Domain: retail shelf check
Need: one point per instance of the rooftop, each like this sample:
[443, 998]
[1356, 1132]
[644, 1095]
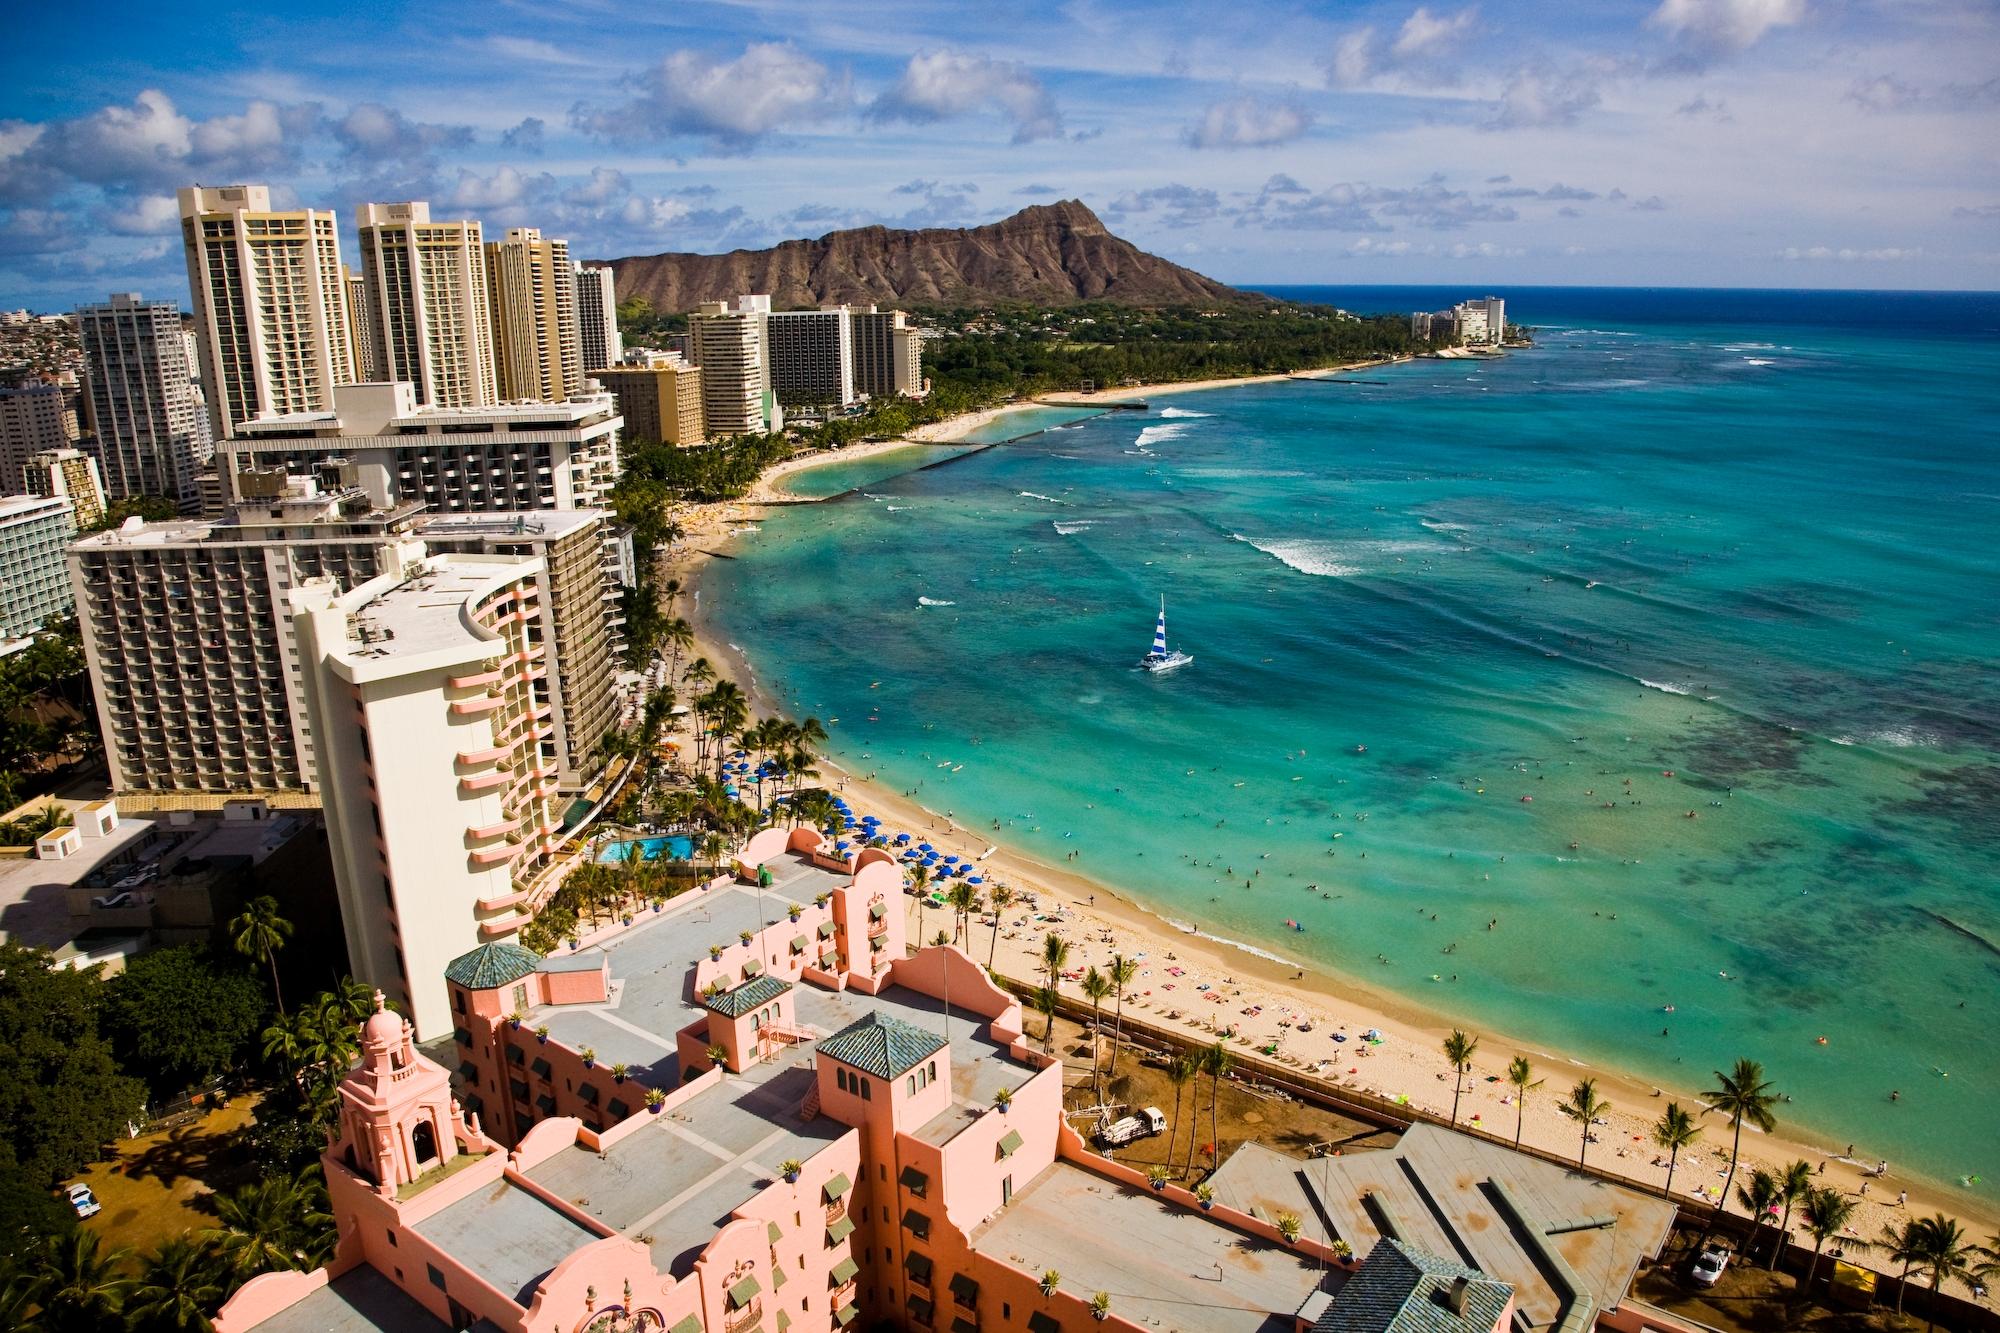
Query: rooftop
[492, 965]
[507, 1236]
[426, 614]
[1401, 1289]
[752, 994]
[1465, 1199]
[360, 1300]
[882, 1045]
[1162, 1264]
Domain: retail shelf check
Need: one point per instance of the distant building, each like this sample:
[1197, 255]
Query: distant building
[34, 584]
[1469, 323]
[189, 637]
[597, 318]
[33, 418]
[428, 690]
[154, 433]
[888, 354]
[270, 304]
[812, 357]
[659, 396]
[428, 314]
[531, 289]
[360, 322]
[732, 346]
[68, 474]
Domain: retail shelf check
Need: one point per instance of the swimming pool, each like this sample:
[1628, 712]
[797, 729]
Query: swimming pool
[676, 848]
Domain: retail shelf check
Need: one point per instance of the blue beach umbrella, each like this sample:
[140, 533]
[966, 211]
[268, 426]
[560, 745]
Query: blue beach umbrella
[976, 879]
[923, 847]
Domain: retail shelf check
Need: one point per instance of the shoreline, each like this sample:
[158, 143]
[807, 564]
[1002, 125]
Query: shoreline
[1286, 994]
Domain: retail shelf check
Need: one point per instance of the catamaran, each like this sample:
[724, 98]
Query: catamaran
[1162, 658]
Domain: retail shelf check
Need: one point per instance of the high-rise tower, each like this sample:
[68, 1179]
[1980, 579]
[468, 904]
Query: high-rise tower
[428, 317]
[531, 289]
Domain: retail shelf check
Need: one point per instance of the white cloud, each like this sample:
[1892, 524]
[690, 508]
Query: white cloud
[1351, 63]
[1849, 254]
[1248, 122]
[771, 86]
[1424, 33]
[1725, 26]
[1536, 98]
[938, 85]
[146, 215]
[505, 188]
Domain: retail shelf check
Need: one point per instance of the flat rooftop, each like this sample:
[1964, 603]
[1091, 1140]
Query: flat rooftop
[1435, 1190]
[425, 614]
[1163, 1265]
[360, 1300]
[507, 1236]
[511, 523]
[688, 1170]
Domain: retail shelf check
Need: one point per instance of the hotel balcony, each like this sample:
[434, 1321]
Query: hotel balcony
[498, 854]
[482, 832]
[484, 703]
[473, 783]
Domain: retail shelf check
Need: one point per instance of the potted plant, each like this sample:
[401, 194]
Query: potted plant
[718, 1055]
[745, 936]
[655, 1099]
[515, 1019]
[1003, 1099]
[542, 1034]
[1050, 1281]
[714, 953]
[627, 918]
[1156, 1176]
[1288, 1226]
[1205, 1194]
[790, 1169]
[574, 941]
[794, 912]
[822, 898]
[589, 1054]
[1100, 1306]
[1342, 1250]
[619, 1071]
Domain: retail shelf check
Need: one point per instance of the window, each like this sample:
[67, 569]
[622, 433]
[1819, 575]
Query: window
[436, 1276]
[864, 1090]
[392, 1235]
[932, 1072]
[913, 1085]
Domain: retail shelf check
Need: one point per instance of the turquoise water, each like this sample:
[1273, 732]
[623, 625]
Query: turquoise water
[1671, 647]
[649, 849]
[840, 476]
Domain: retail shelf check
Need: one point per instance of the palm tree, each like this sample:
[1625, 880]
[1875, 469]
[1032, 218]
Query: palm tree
[1989, 1255]
[964, 899]
[260, 930]
[1046, 1000]
[1904, 1245]
[1742, 1094]
[1055, 956]
[1216, 1062]
[1827, 1212]
[1458, 1049]
[1181, 1070]
[1519, 1073]
[182, 1282]
[1760, 1199]
[78, 1285]
[920, 877]
[1095, 987]
[1123, 970]
[1584, 1106]
[1793, 1184]
[1000, 895]
[1944, 1251]
[259, 1226]
[1675, 1130]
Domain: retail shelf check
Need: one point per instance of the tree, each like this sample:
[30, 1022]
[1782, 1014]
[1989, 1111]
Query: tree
[1181, 1070]
[1903, 1245]
[260, 931]
[964, 900]
[1216, 1062]
[79, 1286]
[1521, 1075]
[176, 1019]
[1055, 957]
[61, 1094]
[1943, 1251]
[920, 876]
[1458, 1049]
[1095, 987]
[1759, 1198]
[1674, 1130]
[1742, 1094]
[1045, 1002]
[1123, 970]
[1001, 896]
[1584, 1106]
[1827, 1212]
[274, 1225]
[181, 1283]
[1793, 1183]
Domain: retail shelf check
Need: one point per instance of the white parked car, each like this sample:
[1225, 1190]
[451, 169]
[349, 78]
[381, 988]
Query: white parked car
[81, 1199]
[1708, 1267]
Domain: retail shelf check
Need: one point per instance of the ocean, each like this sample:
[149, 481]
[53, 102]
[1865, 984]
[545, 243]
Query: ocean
[1666, 647]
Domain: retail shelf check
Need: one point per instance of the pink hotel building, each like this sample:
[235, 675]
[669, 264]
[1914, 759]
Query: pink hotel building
[752, 1111]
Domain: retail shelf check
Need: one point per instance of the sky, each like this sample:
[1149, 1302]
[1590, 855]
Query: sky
[1758, 143]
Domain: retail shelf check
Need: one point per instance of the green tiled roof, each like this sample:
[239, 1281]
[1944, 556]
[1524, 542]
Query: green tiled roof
[750, 995]
[492, 965]
[1402, 1289]
[882, 1046]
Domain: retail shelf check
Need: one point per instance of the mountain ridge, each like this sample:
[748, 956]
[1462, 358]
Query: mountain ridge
[1046, 254]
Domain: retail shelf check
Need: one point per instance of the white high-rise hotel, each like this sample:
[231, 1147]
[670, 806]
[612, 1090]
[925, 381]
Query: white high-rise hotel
[270, 304]
[153, 435]
[597, 318]
[428, 319]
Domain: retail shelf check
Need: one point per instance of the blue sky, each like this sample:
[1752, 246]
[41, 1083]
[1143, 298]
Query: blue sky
[1795, 143]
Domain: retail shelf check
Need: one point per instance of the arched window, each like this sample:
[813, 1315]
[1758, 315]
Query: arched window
[423, 1142]
[913, 1085]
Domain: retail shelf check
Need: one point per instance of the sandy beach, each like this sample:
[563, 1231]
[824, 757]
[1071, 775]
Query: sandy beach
[1315, 1018]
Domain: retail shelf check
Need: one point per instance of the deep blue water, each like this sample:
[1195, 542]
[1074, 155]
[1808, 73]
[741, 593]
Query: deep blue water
[1669, 645]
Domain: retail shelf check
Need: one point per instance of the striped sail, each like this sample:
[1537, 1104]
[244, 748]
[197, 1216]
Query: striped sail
[1160, 631]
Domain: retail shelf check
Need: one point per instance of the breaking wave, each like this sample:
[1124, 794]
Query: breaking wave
[932, 601]
[1308, 557]
[1182, 412]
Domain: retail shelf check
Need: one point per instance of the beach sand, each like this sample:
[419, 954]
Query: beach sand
[1202, 983]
